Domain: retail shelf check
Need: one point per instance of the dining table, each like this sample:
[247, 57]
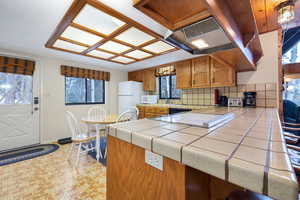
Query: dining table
[100, 124]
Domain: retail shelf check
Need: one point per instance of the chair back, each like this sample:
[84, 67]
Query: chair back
[96, 113]
[130, 114]
[73, 124]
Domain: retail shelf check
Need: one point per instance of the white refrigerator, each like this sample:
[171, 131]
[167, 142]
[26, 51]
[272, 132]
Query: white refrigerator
[129, 95]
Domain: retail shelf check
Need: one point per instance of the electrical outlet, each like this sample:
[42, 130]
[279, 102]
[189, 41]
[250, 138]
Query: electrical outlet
[153, 159]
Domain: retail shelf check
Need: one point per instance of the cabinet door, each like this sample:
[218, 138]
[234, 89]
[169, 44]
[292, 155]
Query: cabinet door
[149, 80]
[184, 75]
[136, 76]
[222, 74]
[201, 72]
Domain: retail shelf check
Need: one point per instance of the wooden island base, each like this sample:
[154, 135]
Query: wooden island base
[130, 178]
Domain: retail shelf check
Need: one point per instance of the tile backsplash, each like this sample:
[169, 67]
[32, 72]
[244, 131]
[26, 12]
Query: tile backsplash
[266, 94]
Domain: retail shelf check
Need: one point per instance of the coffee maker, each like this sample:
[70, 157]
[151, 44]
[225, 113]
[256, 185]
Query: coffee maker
[250, 99]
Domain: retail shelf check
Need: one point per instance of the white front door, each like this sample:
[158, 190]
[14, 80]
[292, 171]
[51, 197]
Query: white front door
[19, 116]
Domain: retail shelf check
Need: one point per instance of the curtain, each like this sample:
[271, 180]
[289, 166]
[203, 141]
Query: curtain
[84, 73]
[16, 65]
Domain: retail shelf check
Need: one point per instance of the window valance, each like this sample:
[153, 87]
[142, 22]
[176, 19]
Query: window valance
[84, 73]
[165, 71]
[16, 65]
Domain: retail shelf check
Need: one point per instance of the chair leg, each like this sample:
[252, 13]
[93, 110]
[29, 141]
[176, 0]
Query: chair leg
[78, 153]
[70, 152]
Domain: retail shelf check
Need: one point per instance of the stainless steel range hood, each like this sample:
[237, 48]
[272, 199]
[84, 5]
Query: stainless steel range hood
[203, 37]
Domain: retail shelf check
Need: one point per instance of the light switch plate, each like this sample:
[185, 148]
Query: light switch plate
[153, 159]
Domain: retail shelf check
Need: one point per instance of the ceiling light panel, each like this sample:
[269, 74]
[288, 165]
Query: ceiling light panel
[134, 36]
[158, 47]
[138, 54]
[122, 59]
[114, 47]
[97, 20]
[81, 36]
[100, 54]
[69, 46]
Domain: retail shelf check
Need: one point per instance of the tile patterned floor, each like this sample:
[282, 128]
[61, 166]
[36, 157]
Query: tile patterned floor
[52, 177]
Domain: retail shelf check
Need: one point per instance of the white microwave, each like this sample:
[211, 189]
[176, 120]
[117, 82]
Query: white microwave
[149, 99]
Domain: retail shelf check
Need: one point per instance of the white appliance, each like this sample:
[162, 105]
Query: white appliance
[149, 99]
[235, 102]
[129, 94]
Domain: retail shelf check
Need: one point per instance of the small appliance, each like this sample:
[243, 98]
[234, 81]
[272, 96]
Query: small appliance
[149, 99]
[235, 102]
[223, 101]
[250, 99]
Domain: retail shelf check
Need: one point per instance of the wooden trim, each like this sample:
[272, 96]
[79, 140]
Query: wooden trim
[114, 34]
[72, 12]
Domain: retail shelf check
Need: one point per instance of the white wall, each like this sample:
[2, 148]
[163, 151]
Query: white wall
[51, 90]
[267, 68]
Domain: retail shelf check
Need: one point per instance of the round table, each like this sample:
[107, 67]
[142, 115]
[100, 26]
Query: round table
[97, 123]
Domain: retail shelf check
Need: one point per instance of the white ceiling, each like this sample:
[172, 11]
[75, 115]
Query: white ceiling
[26, 25]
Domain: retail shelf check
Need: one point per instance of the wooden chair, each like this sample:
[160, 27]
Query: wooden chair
[80, 137]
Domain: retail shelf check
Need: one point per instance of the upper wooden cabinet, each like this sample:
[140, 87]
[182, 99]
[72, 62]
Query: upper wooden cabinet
[149, 80]
[175, 13]
[184, 74]
[235, 17]
[221, 74]
[201, 72]
[136, 76]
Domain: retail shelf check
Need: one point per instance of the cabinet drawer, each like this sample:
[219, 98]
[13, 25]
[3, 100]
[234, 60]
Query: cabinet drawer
[150, 115]
[149, 109]
[162, 110]
[141, 108]
[141, 115]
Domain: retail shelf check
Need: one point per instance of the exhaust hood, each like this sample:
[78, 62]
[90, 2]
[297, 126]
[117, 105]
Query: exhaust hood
[203, 37]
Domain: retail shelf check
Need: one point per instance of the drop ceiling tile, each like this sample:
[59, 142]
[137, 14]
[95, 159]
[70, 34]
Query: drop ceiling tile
[114, 47]
[158, 47]
[97, 20]
[69, 46]
[122, 59]
[81, 36]
[134, 36]
[138, 54]
[100, 54]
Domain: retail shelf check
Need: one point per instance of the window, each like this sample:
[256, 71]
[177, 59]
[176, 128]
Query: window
[292, 91]
[84, 91]
[15, 88]
[167, 88]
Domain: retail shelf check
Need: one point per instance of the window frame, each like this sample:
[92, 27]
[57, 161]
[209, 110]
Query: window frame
[86, 93]
[170, 86]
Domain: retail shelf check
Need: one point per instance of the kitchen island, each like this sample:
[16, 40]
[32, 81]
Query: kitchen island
[247, 152]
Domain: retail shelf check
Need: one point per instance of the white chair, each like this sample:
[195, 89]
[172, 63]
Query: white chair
[130, 114]
[97, 113]
[80, 137]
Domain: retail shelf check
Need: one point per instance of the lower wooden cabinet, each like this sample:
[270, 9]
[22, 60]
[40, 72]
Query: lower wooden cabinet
[152, 111]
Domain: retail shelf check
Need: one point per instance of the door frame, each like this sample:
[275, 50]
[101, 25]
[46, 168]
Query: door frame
[36, 86]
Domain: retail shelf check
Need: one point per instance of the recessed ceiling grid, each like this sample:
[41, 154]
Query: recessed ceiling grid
[93, 29]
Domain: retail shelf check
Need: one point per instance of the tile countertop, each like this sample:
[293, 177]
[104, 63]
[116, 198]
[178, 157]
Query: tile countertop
[176, 106]
[249, 151]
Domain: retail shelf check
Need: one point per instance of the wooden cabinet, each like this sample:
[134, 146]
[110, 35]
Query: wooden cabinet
[201, 72]
[136, 76]
[152, 111]
[184, 74]
[149, 80]
[221, 74]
